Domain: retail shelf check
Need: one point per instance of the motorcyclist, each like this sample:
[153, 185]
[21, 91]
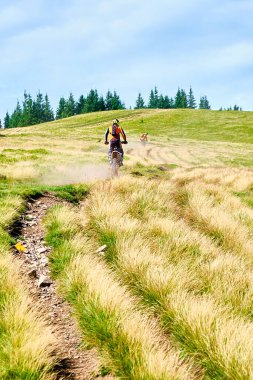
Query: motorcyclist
[113, 133]
[144, 138]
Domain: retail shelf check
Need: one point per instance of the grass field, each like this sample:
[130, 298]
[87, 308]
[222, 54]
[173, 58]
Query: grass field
[172, 295]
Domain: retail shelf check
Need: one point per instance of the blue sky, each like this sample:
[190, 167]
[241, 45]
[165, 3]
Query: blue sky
[129, 46]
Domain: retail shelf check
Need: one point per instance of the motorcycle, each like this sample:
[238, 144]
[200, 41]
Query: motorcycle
[115, 160]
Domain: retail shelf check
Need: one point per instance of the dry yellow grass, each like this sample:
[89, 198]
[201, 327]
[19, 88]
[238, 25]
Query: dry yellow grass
[10, 208]
[26, 342]
[237, 179]
[150, 356]
[170, 264]
[217, 222]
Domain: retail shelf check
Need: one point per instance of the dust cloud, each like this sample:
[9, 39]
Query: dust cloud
[65, 175]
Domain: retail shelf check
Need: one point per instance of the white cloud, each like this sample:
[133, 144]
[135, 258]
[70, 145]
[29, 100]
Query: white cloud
[97, 29]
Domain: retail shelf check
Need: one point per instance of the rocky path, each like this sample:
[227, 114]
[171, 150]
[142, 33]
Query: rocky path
[74, 363]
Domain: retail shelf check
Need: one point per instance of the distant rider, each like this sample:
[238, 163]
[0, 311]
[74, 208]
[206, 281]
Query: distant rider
[144, 138]
[113, 133]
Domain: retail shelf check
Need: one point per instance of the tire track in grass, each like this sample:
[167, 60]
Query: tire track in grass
[74, 362]
[130, 341]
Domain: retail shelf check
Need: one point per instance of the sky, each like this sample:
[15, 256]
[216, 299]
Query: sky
[63, 46]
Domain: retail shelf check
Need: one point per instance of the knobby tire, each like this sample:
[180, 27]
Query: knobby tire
[114, 168]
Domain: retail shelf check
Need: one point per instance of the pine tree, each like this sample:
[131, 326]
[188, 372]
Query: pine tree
[101, 104]
[60, 112]
[70, 106]
[16, 117]
[108, 101]
[38, 109]
[113, 101]
[27, 116]
[160, 102]
[156, 98]
[48, 111]
[178, 99]
[7, 120]
[139, 102]
[204, 103]
[151, 102]
[117, 102]
[30, 106]
[183, 99]
[1, 124]
[91, 102]
[191, 102]
[167, 102]
[80, 105]
[153, 98]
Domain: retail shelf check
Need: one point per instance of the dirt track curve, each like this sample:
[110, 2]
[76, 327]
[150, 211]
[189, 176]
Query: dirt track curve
[74, 363]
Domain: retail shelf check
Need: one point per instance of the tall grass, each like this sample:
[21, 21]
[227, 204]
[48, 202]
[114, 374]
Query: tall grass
[172, 241]
[27, 345]
[217, 222]
[130, 342]
[10, 208]
[195, 321]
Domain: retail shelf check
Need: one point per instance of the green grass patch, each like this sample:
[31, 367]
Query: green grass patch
[246, 196]
[71, 193]
[26, 151]
[203, 125]
[4, 159]
[238, 161]
[104, 236]
[151, 171]
[101, 329]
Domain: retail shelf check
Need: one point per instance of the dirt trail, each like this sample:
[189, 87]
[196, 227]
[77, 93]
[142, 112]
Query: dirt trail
[74, 363]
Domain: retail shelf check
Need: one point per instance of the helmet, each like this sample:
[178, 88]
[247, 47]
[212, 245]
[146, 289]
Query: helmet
[115, 121]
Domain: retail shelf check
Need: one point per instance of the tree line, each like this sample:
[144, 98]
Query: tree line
[30, 112]
[35, 111]
[38, 110]
[181, 100]
[91, 103]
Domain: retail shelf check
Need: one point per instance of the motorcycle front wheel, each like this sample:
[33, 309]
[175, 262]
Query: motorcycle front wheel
[114, 167]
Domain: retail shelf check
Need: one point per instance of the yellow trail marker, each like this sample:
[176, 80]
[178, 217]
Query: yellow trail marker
[20, 247]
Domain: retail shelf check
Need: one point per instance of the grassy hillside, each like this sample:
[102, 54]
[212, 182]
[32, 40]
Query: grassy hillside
[178, 229]
[182, 137]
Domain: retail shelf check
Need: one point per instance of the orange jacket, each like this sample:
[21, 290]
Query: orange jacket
[119, 132]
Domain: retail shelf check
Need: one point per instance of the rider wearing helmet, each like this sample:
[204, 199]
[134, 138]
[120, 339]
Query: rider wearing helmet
[144, 137]
[113, 133]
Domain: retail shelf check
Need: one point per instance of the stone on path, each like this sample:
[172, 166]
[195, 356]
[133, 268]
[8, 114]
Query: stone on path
[32, 272]
[41, 250]
[44, 281]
